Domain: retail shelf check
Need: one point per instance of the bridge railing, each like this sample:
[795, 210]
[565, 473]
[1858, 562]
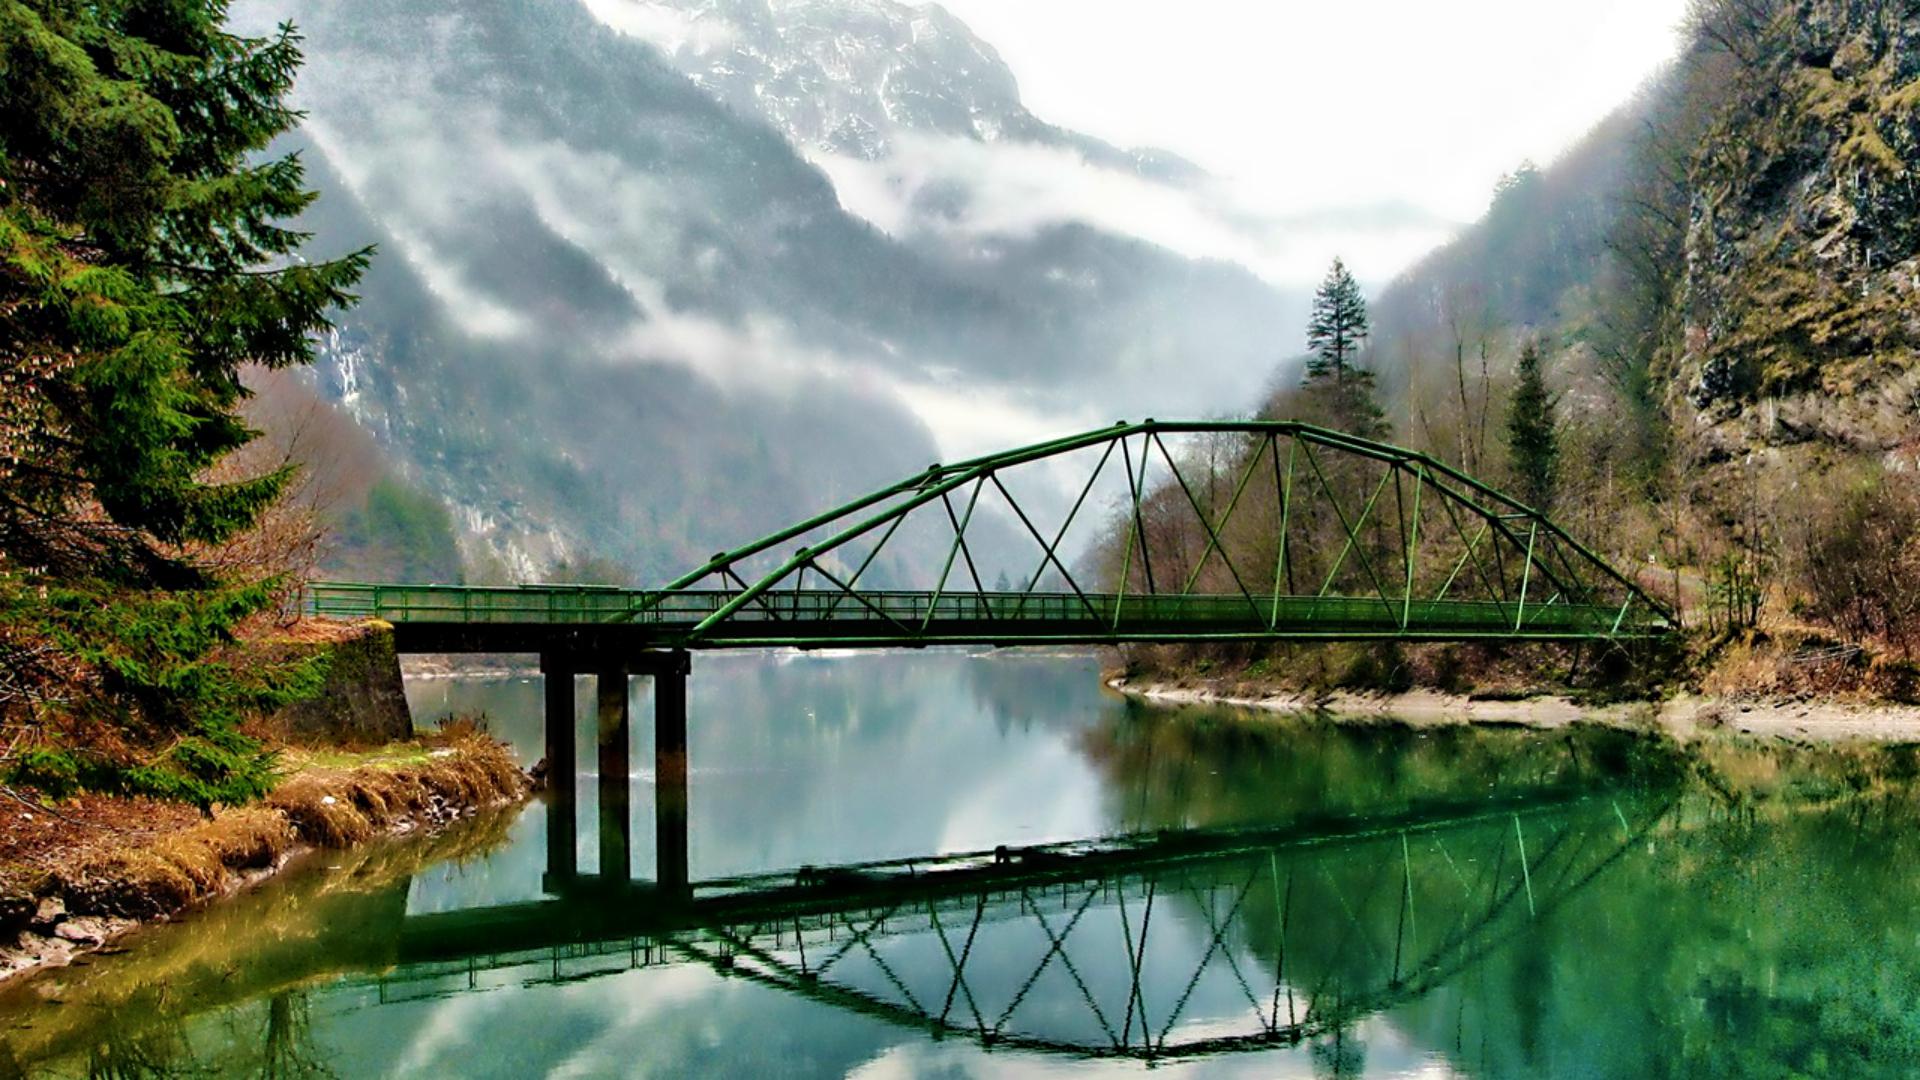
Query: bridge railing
[905, 612]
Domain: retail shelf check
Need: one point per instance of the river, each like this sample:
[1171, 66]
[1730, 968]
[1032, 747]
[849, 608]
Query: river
[1011, 871]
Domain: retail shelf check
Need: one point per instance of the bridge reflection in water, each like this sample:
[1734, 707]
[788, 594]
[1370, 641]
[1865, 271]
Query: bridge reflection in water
[1172, 945]
[1315, 535]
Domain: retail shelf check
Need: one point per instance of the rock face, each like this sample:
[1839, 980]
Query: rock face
[1802, 286]
[363, 702]
[849, 76]
[622, 311]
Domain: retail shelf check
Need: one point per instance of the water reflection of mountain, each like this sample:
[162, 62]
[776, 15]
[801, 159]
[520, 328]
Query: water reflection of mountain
[1328, 899]
[1173, 946]
[831, 760]
[1022, 690]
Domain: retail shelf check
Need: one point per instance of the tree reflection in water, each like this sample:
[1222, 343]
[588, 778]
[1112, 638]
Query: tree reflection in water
[1364, 899]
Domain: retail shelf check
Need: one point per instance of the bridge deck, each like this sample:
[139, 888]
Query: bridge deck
[529, 618]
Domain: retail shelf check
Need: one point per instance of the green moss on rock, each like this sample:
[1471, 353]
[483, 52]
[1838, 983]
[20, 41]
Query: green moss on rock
[361, 701]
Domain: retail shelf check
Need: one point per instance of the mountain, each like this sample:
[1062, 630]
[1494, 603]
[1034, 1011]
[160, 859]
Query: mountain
[1725, 275]
[618, 313]
[852, 77]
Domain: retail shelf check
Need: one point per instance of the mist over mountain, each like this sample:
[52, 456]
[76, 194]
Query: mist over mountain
[854, 77]
[921, 127]
[634, 299]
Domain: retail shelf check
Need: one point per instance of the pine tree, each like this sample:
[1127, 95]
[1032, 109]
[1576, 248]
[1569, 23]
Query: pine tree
[139, 243]
[1533, 440]
[142, 264]
[1337, 386]
[1337, 328]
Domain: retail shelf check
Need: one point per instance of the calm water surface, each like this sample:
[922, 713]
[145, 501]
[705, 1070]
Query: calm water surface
[1274, 897]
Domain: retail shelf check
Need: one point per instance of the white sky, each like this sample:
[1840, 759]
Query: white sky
[1318, 106]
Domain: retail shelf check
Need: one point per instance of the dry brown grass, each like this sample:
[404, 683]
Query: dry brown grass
[174, 870]
[318, 807]
[1805, 663]
[332, 808]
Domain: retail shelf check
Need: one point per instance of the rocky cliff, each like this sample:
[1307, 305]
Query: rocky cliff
[645, 289]
[1801, 292]
[1735, 256]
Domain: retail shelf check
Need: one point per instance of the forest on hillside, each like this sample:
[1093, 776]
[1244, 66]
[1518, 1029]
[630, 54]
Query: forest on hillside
[1717, 286]
[1690, 341]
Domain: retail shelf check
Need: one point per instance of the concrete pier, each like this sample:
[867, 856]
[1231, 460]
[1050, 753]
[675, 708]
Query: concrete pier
[613, 748]
[616, 776]
[670, 775]
[562, 769]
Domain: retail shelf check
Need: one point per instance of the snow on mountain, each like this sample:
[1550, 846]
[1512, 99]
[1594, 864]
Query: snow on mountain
[848, 77]
[921, 127]
[655, 277]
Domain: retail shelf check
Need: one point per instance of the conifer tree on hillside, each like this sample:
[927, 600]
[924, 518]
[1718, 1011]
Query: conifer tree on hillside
[142, 263]
[140, 243]
[1533, 439]
[1338, 326]
[1337, 387]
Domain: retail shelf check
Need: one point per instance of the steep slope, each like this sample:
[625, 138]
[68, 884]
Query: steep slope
[853, 76]
[548, 447]
[1802, 289]
[614, 316]
[1742, 240]
[1727, 275]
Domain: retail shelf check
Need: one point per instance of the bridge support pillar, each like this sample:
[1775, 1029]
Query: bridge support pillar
[616, 775]
[670, 773]
[613, 743]
[562, 770]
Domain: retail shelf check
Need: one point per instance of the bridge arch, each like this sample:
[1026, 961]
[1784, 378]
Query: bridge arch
[1261, 529]
[1193, 531]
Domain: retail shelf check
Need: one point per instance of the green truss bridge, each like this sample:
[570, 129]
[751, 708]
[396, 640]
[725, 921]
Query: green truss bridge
[1208, 531]
[1147, 532]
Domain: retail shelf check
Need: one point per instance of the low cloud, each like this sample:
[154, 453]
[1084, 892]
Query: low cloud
[668, 28]
[470, 306]
[961, 189]
[402, 165]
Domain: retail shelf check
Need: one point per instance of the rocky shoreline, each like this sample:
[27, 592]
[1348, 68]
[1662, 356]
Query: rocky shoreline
[1684, 717]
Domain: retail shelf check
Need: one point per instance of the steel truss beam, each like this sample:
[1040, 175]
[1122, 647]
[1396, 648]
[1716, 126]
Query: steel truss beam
[1397, 918]
[1533, 580]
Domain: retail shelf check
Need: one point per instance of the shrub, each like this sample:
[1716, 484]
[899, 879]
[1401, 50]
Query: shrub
[160, 692]
[1857, 554]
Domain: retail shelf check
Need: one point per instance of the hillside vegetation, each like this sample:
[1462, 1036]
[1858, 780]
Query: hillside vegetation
[144, 268]
[1720, 280]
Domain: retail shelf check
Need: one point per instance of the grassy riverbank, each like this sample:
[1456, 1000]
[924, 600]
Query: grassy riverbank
[288, 934]
[76, 874]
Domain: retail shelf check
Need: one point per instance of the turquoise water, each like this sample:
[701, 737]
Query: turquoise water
[1192, 891]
